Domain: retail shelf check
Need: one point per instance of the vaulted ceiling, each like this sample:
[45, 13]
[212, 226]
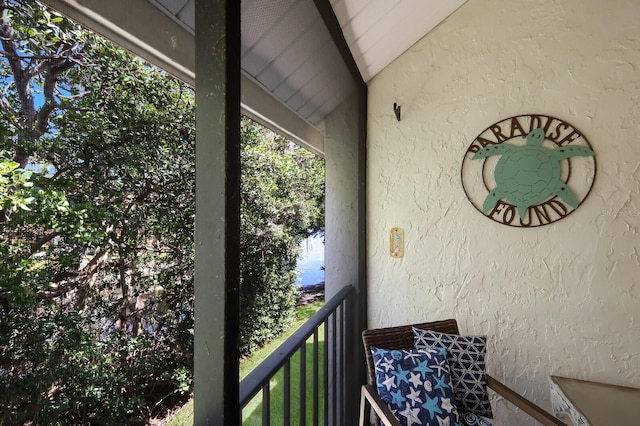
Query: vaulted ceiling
[288, 50]
[288, 54]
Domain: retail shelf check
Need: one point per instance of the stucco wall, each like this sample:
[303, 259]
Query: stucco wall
[341, 214]
[560, 299]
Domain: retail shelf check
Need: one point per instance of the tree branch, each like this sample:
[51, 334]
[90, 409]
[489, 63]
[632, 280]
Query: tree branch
[24, 68]
[37, 244]
[50, 104]
[21, 78]
[79, 277]
[4, 104]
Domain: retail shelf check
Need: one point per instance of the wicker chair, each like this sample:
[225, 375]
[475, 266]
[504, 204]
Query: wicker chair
[401, 338]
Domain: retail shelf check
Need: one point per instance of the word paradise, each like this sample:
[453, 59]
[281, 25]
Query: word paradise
[557, 131]
[528, 170]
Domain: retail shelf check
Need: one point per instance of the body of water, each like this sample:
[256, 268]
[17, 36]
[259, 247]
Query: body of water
[311, 262]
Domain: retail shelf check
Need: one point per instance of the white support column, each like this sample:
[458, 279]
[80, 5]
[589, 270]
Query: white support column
[345, 235]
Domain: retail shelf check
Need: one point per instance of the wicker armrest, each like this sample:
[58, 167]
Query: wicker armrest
[369, 395]
[521, 402]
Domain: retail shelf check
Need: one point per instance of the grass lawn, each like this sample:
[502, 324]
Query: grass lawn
[252, 414]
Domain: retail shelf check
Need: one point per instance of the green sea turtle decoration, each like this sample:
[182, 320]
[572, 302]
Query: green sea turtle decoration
[527, 175]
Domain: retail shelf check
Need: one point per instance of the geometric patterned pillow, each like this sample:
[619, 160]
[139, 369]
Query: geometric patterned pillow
[470, 419]
[416, 385]
[466, 355]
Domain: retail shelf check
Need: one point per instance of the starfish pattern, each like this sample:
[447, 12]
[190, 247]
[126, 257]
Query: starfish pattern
[415, 379]
[415, 393]
[412, 356]
[441, 367]
[441, 383]
[377, 351]
[414, 396]
[389, 382]
[397, 398]
[423, 368]
[411, 414]
[446, 404]
[401, 375]
[387, 364]
[432, 406]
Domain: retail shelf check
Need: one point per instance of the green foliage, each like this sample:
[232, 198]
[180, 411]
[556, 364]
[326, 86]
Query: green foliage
[97, 270]
[14, 184]
[97, 184]
[282, 203]
[97, 198]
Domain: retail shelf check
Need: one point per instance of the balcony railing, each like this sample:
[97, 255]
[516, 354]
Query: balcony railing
[317, 351]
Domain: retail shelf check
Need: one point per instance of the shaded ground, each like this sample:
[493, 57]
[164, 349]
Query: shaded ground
[310, 294]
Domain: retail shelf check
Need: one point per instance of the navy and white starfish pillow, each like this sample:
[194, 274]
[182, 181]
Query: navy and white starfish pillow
[416, 385]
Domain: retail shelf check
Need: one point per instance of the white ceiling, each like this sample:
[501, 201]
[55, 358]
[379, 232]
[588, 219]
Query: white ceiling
[293, 72]
[378, 31]
[287, 49]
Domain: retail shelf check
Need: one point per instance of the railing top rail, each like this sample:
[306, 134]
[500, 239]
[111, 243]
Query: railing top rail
[252, 383]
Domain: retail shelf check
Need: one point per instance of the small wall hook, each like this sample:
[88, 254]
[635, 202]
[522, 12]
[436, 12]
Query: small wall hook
[396, 110]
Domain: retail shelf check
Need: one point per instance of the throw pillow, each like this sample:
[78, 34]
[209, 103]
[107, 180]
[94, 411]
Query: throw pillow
[470, 419]
[467, 364]
[416, 385]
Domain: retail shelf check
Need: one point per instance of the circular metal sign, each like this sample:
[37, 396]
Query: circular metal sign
[528, 170]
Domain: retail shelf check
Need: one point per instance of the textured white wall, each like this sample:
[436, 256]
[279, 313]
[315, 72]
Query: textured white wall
[341, 203]
[561, 299]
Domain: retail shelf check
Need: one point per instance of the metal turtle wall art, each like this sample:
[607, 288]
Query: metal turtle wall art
[527, 175]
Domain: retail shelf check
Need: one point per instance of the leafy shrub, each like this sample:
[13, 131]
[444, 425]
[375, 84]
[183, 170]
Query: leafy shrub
[282, 202]
[97, 191]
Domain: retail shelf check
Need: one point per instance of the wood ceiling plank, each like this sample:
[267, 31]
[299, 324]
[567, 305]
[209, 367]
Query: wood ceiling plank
[277, 40]
[294, 56]
[172, 6]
